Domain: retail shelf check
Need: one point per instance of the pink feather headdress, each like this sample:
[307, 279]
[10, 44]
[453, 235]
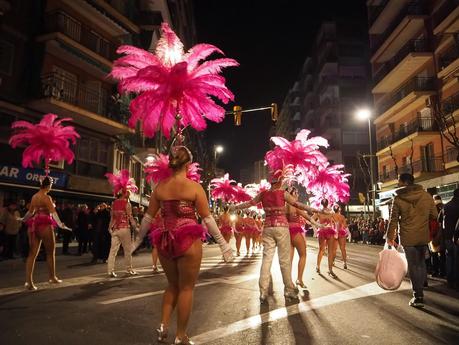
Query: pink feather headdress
[157, 169]
[171, 82]
[223, 188]
[331, 183]
[242, 194]
[122, 182]
[48, 140]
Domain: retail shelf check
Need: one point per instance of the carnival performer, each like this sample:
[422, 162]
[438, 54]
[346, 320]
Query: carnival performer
[275, 234]
[343, 233]
[121, 221]
[326, 235]
[156, 224]
[226, 224]
[239, 229]
[51, 141]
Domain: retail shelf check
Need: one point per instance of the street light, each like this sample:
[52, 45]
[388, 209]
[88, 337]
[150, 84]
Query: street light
[365, 114]
[217, 149]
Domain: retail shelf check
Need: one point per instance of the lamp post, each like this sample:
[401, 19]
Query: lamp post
[365, 114]
[217, 149]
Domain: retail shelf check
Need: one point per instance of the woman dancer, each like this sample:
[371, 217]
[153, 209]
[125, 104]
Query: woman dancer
[250, 232]
[179, 243]
[239, 229]
[42, 219]
[120, 230]
[326, 235]
[225, 224]
[157, 224]
[343, 233]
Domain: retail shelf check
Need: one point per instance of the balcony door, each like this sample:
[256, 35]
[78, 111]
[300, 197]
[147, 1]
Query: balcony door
[64, 85]
[95, 97]
[427, 157]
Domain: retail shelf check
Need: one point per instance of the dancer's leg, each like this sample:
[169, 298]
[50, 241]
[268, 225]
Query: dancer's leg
[49, 242]
[342, 246]
[115, 246]
[34, 248]
[282, 238]
[238, 243]
[299, 242]
[124, 236]
[188, 269]
[171, 292]
[331, 257]
[320, 254]
[154, 257]
[269, 248]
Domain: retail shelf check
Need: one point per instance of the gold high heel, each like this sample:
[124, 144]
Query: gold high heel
[55, 281]
[184, 341]
[332, 274]
[300, 284]
[30, 286]
[162, 333]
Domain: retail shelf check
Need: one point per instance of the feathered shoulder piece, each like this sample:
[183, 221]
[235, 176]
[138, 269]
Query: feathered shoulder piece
[172, 82]
[121, 182]
[48, 140]
[157, 169]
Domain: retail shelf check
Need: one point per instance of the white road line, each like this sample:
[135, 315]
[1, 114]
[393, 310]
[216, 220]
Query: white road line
[226, 280]
[371, 289]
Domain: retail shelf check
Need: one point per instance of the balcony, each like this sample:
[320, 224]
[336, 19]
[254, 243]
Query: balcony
[421, 169]
[412, 56]
[414, 127]
[402, 28]
[381, 16]
[408, 96]
[444, 19]
[448, 61]
[375, 11]
[61, 22]
[451, 158]
[88, 104]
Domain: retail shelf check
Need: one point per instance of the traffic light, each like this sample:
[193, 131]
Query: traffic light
[362, 198]
[237, 111]
[274, 113]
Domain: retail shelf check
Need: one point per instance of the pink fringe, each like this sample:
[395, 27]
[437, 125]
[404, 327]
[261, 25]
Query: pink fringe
[174, 243]
[326, 233]
[343, 232]
[39, 222]
[226, 229]
[295, 230]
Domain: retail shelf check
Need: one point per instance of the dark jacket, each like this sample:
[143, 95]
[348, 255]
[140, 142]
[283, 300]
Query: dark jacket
[411, 211]
[450, 217]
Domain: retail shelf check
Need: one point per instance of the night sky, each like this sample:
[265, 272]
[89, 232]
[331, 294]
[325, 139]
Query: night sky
[271, 41]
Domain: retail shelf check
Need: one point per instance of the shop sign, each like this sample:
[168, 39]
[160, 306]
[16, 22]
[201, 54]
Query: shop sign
[32, 177]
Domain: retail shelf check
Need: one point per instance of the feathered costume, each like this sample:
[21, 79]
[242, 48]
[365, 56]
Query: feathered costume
[223, 188]
[122, 182]
[171, 82]
[157, 169]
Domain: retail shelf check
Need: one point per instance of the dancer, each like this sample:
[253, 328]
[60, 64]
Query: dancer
[343, 233]
[225, 223]
[250, 229]
[156, 224]
[42, 220]
[121, 218]
[239, 229]
[275, 234]
[326, 235]
[179, 243]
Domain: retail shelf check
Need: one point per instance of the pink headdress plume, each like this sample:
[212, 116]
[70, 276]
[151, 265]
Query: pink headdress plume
[172, 83]
[157, 168]
[286, 174]
[48, 140]
[121, 182]
[223, 188]
[242, 194]
[330, 183]
[193, 172]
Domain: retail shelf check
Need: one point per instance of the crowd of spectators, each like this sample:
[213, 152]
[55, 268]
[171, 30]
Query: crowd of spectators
[367, 230]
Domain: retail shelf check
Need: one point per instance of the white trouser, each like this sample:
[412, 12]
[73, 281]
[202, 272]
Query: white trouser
[120, 236]
[272, 237]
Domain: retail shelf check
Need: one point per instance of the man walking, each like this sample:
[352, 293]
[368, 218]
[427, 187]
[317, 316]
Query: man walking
[412, 208]
[451, 227]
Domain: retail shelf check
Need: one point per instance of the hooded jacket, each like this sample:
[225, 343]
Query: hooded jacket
[412, 209]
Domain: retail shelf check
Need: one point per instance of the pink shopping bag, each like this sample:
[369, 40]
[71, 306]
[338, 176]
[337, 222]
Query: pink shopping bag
[391, 268]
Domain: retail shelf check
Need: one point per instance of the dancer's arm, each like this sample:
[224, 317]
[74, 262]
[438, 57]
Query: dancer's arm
[290, 200]
[246, 204]
[52, 210]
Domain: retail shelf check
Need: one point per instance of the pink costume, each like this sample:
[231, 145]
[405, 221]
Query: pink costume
[250, 227]
[40, 220]
[120, 216]
[156, 225]
[294, 225]
[343, 232]
[225, 227]
[328, 231]
[274, 205]
[180, 230]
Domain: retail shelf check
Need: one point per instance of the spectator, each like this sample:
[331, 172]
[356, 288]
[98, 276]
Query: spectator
[68, 217]
[83, 229]
[102, 237]
[23, 234]
[412, 209]
[451, 227]
[437, 246]
[11, 229]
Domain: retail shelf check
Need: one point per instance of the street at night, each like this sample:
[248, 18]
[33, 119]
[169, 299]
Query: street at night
[89, 308]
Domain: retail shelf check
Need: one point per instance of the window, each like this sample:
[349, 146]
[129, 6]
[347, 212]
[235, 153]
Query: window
[355, 138]
[6, 57]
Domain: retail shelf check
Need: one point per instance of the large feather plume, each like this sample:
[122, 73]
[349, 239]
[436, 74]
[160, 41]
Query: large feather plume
[242, 194]
[121, 182]
[223, 188]
[157, 169]
[331, 183]
[172, 82]
[48, 140]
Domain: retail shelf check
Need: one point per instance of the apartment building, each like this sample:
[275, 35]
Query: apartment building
[55, 56]
[415, 65]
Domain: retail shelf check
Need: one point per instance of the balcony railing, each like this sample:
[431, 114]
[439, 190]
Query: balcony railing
[448, 57]
[452, 155]
[412, 46]
[94, 99]
[413, 8]
[428, 165]
[61, 22]
[375, 11]
[445, 9]
[418, 125]
[415, 84]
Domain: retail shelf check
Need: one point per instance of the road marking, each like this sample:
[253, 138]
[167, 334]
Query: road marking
[225, 280]
[371, 289]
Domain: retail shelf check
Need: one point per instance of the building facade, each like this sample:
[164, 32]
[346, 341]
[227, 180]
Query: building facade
[55, 56]
[415, 68]
[331, 86]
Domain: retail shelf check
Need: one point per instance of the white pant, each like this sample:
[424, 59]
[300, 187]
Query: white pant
[120, 236]
[272, 237]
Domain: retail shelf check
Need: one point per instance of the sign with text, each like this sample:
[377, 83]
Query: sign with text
[30, 176]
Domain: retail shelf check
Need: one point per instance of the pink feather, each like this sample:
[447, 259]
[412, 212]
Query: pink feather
[172, 82]
[121, 182]
[241, 194]
[193, 172]
[48, 140]
[158, 169]
[330, 183]
[223, 188]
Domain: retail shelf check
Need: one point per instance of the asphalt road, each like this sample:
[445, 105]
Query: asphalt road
[89, 308]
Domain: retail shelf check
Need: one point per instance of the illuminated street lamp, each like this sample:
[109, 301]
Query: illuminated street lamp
[218, 149]
[362, 115]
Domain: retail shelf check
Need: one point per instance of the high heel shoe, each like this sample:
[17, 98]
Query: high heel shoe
[318, 270]
[55, 281]
[332, 274]
[300, 284]
[30, 286]
[162, 333]
[345, 266]
[184, 341]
